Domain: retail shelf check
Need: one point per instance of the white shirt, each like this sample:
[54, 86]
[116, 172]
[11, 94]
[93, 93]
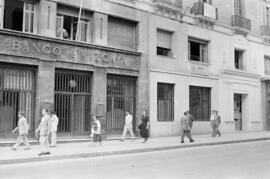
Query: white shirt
[54, 123]
[128, 121]
[98, 128]
[212, 117]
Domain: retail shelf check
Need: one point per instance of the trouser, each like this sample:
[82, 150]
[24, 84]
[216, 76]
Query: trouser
[44, 143]
[186, 133]
[215, 130]
[53, 138]
[22, 138]
[125, 132]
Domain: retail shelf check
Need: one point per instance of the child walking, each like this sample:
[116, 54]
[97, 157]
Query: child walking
[96, 131]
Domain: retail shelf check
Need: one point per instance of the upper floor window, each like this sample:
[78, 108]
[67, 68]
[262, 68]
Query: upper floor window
[198, 50]
[238, 59]
[69, 27]
[267, 65]
[239, 8]
[122, 33]
[18, 15]
[164, 43]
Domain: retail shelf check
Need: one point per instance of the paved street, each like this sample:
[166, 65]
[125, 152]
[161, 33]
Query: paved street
[243, 160]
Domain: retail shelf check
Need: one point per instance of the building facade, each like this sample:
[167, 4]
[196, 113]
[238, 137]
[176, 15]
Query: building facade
[51, 59]
[165, 56]
[209, 54]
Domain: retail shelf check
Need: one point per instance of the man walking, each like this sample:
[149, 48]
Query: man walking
[44, 131]
[128, 126]
[54, 124]
[190, 120]
[23, 128]
[185, 128]
[217, 121]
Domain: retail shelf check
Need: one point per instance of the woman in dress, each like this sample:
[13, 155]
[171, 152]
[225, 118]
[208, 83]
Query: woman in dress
[144, 126]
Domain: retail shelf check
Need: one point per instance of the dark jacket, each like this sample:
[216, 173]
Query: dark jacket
[185, 125]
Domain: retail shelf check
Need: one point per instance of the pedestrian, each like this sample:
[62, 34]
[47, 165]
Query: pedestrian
[217, 121]
[44, 130]
[144, 126]
[22, 127]
[212, 123]
[190, 120]
[96, 131]
[54, 124]
[128, 126]
[185, 128]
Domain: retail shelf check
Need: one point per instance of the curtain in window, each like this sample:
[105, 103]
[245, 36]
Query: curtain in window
[164, 39]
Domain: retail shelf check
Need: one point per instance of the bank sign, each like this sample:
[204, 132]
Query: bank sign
[52, 51]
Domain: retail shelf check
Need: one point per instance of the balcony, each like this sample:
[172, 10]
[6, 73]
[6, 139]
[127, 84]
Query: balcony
[265, 31]
[169, 5]
[241, 24]
[205, 12]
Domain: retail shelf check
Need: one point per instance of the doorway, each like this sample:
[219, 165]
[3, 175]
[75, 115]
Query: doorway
[121, 96]
[238, 111]
[72, 101]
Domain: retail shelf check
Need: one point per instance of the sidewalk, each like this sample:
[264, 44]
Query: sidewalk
[113, 147]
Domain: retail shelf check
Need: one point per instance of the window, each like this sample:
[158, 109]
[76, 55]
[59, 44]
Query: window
[239, 9]
[19, 15]
[165, 102]
[267, 65]
[164, 43]
[122, 33]
[67, 26]
[198, 50]
[238, 59]
[267, 16]
[207, 1]
[200, 102]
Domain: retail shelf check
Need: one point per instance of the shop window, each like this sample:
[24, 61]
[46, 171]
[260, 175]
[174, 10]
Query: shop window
[19, 15]
[238, 59]
[165, 102]
[267, 65]
[122, 33]
[164, 43]
[200, 102]
[198, 50]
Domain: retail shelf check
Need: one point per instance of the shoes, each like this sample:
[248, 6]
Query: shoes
[122, 140]
[182, 141]
[47, 153]
[14, 149]
[219, 134]
[40, 154]
[44, 153]
[191, 141]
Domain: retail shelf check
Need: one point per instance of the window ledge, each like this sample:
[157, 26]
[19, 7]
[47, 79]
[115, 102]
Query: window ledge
[199, 63]
[168, 57]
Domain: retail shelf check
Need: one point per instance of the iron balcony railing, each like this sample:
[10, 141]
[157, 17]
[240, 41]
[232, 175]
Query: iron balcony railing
[242, 22]
[171, 3]
[200, 9]
[265, 30]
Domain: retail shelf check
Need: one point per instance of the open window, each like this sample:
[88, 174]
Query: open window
[198, 50]
[238, 59]
[67, 26]
[164, 43]
[18, 15]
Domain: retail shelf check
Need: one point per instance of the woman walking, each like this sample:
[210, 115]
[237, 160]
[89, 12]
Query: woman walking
[144, 126]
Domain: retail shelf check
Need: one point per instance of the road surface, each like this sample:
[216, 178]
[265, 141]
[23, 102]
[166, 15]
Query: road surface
[231, 161]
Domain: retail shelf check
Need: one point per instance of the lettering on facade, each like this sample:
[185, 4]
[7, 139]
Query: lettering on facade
[68, 53]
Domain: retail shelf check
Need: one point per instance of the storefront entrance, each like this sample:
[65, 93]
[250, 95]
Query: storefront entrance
[121, 96]
[17, 94]
[72, 101]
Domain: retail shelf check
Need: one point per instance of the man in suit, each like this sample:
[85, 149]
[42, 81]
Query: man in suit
[44, 131]
[128, 127]
[190, 120]
[185, 128]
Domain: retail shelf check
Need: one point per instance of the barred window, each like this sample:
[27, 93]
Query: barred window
[165, 102]
[200, 102]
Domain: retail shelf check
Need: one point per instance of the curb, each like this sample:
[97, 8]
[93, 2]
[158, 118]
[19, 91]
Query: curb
[121, 152]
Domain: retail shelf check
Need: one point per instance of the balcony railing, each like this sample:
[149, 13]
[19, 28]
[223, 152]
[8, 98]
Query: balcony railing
[241, 22]
[204, 9]
[169, 4]
[265, 30]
